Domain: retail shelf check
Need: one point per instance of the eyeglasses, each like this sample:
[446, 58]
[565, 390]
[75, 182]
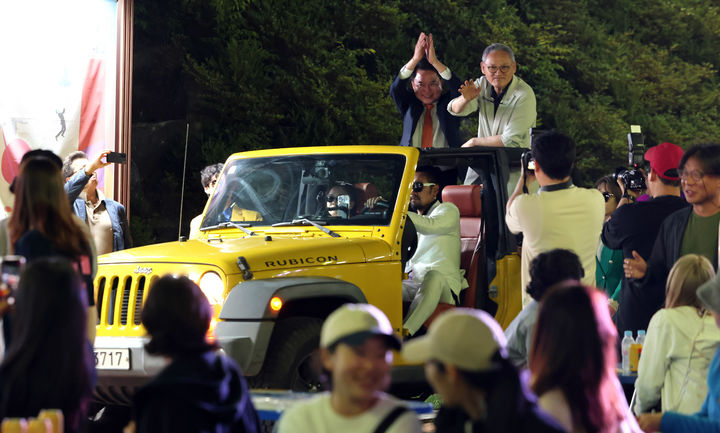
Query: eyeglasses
[493, 68]
[607, 196]
[330, 198]
[432, 85]
[695, 175]
[418, 186]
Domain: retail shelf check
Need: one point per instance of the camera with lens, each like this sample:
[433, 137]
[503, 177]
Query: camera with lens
[632, 177]
[528, 162]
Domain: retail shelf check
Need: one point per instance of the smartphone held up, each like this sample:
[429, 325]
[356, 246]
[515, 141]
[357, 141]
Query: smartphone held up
[117, 157]
[10, 269]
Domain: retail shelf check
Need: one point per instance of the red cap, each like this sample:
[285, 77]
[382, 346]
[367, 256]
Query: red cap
[665, 157]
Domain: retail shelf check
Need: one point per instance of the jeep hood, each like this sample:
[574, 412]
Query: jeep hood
[260, 254]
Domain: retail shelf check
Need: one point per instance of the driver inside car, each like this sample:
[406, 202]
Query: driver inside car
[340, 200]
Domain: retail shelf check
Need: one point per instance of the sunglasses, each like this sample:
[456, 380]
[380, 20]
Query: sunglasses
[607, 196]
[332, 198]
[418, 186]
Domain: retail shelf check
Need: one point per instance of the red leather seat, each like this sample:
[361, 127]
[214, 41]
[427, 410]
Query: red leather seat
[364, 191]
[468, 199]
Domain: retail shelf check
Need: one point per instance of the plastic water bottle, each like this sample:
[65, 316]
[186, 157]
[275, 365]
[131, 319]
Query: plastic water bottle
[625, 344]
[37, 425]
[56, 419]
[641, 337]
[14, 425]
[639, 341]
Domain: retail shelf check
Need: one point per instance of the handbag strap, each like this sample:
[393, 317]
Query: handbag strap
[390, 418]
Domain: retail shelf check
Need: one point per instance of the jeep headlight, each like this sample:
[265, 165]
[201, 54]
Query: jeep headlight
[213, 287]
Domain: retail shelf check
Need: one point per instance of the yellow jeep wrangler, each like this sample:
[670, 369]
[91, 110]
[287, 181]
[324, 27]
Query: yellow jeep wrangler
[286, 239]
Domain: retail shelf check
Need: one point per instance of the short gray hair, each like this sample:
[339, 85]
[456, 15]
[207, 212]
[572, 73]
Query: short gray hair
[67, 170]
[498, 47]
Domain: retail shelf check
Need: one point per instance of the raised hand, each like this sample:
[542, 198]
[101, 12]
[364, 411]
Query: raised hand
[430, 50]
[636, 267]
[97, 163]
[420, 47]
[469, 91]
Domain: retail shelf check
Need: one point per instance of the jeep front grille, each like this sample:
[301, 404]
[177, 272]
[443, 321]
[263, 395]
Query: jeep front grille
[120, 299]
[121, 290]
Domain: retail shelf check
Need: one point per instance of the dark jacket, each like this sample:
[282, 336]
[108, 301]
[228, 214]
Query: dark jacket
[196, 393]
[646, 296]
[532, 420]
[635, 227]
[411, 109]
[34, 245]
[510, 408]
[115, 210]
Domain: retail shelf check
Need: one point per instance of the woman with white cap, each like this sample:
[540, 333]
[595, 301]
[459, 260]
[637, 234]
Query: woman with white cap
[708, 419]
[356, 343]
[466, 363]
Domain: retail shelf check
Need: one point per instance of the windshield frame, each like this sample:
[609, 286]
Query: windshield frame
[311, 175]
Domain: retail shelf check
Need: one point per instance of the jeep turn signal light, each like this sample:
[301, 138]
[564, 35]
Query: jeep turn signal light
[276, 303]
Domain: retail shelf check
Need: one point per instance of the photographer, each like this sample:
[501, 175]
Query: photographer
[634, 227]
[688, 230]
[560, 215]
[106, 218]
[633, 186]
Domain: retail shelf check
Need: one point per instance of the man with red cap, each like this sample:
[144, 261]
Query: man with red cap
[634, 227]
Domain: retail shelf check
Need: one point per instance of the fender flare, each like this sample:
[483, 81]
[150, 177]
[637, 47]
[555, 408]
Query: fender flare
[246, 321]
[251, 299]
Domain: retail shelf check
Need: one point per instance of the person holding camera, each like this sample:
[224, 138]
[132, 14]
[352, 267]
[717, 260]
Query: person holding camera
[633, 186]
[105, 217]
[692, 229]
[633, 228]
[560, 215]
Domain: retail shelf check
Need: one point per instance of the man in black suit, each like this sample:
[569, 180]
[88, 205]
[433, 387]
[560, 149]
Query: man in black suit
[423, 103]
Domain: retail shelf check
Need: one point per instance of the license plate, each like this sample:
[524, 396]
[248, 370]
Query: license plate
[112, 359]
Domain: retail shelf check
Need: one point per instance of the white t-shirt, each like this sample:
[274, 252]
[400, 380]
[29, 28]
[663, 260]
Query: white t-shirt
[569, 218]
[317, 416]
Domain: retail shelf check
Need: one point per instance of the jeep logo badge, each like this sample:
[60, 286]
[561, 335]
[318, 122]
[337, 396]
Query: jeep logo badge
[147, 270]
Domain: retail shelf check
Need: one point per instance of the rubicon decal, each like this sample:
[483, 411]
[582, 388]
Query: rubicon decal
[301, 261]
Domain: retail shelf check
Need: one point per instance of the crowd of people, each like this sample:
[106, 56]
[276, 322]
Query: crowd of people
[640, 256]
[595, 262]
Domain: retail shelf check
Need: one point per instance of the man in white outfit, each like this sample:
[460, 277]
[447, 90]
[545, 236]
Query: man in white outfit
[434, 270]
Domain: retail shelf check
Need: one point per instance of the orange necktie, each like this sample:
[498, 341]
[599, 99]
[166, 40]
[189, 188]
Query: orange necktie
[427, 134]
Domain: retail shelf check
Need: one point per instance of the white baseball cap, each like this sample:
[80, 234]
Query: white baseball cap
[463, 337]
[353, 323]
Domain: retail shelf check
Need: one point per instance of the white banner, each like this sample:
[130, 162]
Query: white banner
[57, 80]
